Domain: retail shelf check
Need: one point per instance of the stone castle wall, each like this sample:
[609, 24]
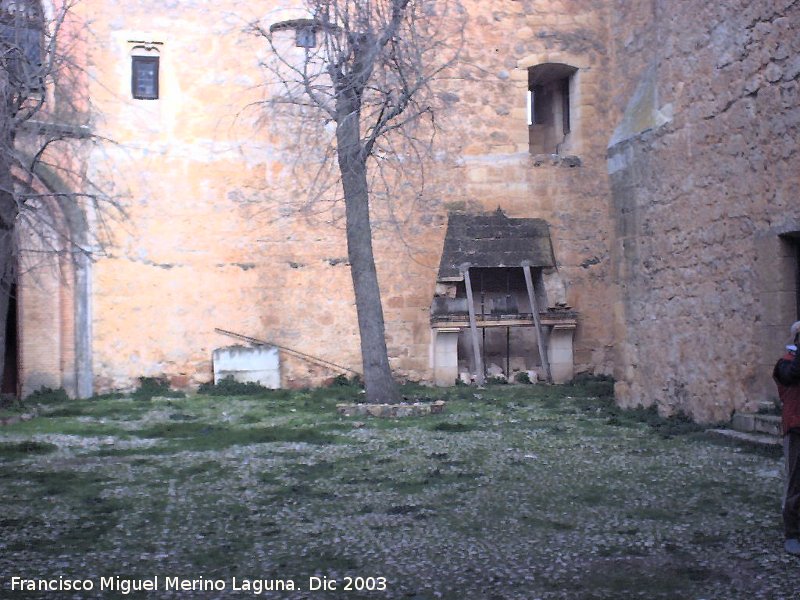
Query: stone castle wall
[219, 235]
[667, 206]
[704, 178]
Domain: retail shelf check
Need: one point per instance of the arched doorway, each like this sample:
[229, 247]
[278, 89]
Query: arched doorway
[49, 319]
[10, 383]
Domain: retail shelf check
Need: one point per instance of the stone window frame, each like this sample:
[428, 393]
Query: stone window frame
[549, 107]
[582, 109]
[145, 53]
[305, 31]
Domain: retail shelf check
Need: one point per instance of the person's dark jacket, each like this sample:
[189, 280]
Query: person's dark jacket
[787, 377]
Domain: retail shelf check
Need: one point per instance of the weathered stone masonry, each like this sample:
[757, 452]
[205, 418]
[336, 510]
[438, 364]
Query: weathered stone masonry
[210, 244]
[671, 201]
[703, 187]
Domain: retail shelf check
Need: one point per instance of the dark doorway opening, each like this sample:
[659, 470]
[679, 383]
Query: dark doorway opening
[791, 253]
[796, 247]
[11, 365]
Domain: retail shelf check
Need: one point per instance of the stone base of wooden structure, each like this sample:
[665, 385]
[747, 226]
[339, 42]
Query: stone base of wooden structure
[417, 409]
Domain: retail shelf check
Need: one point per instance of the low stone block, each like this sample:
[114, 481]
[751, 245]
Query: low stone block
[259, 365]
[375, 410]
[743, 422]
[770, 424]
[347, 410]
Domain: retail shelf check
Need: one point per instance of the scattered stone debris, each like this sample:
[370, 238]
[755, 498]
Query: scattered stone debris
[529, 492]
[417, 409]
[17, 418]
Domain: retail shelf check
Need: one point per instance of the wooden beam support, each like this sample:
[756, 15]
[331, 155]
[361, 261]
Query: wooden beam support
[526, 267]
[473, 327]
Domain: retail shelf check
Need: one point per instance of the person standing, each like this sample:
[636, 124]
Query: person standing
[787, 377]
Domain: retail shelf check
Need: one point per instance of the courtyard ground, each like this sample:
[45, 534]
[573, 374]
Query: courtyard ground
[515, 492]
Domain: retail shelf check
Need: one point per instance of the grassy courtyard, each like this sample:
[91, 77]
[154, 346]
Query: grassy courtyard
[515, 492]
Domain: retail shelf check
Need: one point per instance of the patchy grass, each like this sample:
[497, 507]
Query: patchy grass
[46, 395]
[25, 448]
[231, 387]
[203, 436]
[515, 492]
[84, 515]
[150, 387]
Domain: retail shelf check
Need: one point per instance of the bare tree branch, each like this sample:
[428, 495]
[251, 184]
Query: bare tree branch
[371, 74]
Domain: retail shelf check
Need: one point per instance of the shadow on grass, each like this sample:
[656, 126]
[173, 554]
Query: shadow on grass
[769, 451]
[435, 477]
[14, 450]
[632, 576]
[453, 427]
[92, 515]
[203, 436]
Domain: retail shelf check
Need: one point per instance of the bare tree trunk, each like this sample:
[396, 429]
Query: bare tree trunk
[378, 381]
[369, 70]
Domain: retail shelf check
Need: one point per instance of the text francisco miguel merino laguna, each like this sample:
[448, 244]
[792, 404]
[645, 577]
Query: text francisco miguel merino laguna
[256, 586]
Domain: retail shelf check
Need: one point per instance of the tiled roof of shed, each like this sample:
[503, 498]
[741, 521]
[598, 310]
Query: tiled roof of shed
[493, 240]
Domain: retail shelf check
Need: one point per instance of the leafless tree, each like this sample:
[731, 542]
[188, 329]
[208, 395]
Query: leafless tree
[363, 71]
[45, 195]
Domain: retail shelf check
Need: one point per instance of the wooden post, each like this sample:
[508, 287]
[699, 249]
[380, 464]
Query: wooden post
[526, 267]
[473, 327]
[508, 354]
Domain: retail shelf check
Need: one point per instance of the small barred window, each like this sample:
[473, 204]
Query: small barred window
[144, 77]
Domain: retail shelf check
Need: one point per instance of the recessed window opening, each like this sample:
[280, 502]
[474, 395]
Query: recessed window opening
[305, 37]
[144, 77]
[550, 107]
